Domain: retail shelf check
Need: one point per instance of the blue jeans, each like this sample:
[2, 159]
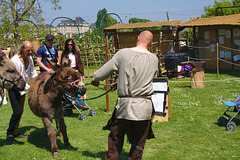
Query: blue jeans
[80, 102]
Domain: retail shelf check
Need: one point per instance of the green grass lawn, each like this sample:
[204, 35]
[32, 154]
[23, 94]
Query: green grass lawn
[191, 132]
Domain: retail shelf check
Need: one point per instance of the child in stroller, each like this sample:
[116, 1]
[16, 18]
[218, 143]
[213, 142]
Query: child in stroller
[70, 103]
[79, 102]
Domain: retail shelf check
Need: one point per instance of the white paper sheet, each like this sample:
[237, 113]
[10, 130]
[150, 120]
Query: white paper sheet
[158, 102]
[160, 86]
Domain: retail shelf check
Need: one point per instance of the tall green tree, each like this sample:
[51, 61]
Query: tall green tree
[137, 20]
[103, 20]
[210, 11]
[19, 13]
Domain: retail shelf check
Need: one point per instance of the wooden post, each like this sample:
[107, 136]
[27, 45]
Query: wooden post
[195, 41]
[178, 40]
[186, 34]
[159, 43]
[115, 40]
[158, 54]
[217, 60]
[86, 55]
[107, 80]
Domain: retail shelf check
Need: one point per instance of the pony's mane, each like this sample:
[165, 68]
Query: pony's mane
[48, 83]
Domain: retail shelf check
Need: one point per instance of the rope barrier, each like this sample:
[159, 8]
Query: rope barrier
[229, 62]
[199, 58]
[207, 81]
[229, 48]
[197, 47]
[214, 46]
[215, 58]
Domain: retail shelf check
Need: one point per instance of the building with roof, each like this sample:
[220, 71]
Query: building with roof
[77, 26]
[218, 37]
[125, 36]
[164, 33]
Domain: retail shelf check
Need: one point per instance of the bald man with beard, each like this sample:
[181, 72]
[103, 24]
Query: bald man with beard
[25, 66]
[133, 111]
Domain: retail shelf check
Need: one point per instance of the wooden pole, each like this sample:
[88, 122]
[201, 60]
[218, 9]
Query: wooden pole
[217, 60]
[195, 41]
[178, 41]
[115, 40]
[86, 55]
[107, 80]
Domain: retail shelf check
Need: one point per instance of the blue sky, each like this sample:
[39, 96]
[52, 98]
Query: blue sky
[154, 10]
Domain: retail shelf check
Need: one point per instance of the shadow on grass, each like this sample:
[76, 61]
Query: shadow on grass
[101, 155]
[236, 120]
[4, 142]
[39, 138]
[22, 130]
[186, 86]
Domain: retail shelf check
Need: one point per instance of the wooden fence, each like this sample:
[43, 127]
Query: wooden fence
[94, 55]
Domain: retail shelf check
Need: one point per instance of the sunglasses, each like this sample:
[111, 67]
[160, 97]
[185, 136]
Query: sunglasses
[70, 44]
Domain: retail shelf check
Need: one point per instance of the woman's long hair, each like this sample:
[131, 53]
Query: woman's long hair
[66, 51]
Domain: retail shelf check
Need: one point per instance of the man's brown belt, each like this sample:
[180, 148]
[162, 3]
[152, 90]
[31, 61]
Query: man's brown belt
[146, 97]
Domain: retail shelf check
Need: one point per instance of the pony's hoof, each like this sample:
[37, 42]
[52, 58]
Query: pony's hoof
[55, 154]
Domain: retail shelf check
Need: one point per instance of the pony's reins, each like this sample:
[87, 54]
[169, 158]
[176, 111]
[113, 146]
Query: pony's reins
[112, 87]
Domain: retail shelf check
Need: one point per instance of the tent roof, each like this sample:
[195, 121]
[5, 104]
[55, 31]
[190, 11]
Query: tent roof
[143, 25]
[233, 19]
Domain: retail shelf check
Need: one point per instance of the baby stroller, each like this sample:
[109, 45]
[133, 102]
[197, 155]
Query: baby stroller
[68, 106]
[226, 119]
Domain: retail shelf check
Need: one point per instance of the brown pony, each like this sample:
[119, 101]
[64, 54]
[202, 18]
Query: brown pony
[9, 76]
[45, 99]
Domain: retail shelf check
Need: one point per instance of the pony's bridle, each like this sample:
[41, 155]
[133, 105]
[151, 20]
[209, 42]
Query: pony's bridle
[74, 83]
[10, 81]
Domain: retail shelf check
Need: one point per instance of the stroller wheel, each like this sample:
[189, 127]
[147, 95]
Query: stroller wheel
[231, 126]
[92, 112]
[82, 116]
[68, 113]
[222, 121]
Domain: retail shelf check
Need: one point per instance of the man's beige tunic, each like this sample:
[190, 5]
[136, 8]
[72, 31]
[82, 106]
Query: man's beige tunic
[136, 71]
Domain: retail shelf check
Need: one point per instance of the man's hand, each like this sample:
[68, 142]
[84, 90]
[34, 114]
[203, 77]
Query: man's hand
[49, 70]
[114, 86]
[95, 83]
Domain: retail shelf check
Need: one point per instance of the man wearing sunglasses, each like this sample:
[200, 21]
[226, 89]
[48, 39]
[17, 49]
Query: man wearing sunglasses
[47, 51]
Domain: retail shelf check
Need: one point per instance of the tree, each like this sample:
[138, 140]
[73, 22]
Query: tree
[103, 20]
[19, 13]
[137, 20]
[211, 10]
